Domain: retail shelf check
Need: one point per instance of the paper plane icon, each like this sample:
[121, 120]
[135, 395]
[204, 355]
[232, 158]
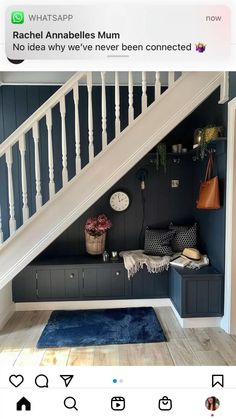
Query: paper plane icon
[67, 379]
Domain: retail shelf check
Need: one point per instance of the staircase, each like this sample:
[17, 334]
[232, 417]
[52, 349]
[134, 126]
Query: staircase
[89, 181]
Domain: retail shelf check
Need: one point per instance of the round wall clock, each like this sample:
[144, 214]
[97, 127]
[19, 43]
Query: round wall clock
[119, 201]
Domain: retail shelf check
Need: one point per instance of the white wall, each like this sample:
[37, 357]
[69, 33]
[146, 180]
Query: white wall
[7, 307]
[229, 319]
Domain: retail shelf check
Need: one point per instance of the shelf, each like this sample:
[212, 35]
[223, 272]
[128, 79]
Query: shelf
[193, 150]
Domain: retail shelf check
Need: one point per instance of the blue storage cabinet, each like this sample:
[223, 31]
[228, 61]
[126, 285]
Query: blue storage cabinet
[197, 293]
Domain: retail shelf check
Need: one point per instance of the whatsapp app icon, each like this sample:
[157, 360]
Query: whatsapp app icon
[17, 17]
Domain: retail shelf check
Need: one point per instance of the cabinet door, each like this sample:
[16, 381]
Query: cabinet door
[58, 284]
[89, 282]
[150, 285]
[43, 282]
[72, 283]
[24, 286]
[118, 282]
[104, 288]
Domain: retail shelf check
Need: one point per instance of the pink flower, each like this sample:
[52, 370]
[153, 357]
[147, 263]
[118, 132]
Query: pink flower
[98, 225]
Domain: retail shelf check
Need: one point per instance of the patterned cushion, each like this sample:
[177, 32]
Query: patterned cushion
[185, 236]
[157, 242]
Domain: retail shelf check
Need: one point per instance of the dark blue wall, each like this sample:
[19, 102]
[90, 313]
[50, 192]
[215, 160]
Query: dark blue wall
[163, 204]
[212, 222]
[17, 103]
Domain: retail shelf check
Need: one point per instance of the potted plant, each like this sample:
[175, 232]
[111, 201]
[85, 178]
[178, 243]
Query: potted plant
[161, 157]
[95, 234]
[208, 133]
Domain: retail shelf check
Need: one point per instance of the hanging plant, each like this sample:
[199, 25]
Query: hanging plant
[161, 157]
[210, 132]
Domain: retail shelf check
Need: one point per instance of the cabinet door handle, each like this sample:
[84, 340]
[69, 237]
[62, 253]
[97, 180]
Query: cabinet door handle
[72, 275]
[117, 273]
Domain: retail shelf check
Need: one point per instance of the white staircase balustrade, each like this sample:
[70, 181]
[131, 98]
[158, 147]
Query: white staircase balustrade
[50, 154]
[63, 141]
[144, 90]
[25, 208]
[12, 220]
[117, 104]
[77, 129]
[90, 182]
[157, 85]
[104, 111]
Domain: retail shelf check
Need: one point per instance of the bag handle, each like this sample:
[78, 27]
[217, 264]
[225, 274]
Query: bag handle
[209, 169]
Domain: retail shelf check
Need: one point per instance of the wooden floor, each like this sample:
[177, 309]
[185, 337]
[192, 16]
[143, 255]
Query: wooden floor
[208, 346]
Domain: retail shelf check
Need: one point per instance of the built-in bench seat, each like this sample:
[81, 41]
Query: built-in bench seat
[194, 293]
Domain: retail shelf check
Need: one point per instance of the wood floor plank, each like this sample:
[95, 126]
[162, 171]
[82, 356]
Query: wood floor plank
[203, 346]
[145, 354]
[106, 355]
[58, 357]
[29, 357]
[81, 357]
[199, 340]
[8, 357]
[209, 358]
[171, 327]
[182, 353]
[223, 344]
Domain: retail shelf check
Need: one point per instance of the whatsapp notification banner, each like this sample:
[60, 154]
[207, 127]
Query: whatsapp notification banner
[172, 35]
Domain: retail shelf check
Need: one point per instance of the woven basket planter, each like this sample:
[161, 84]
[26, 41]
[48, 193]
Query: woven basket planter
[95, 245]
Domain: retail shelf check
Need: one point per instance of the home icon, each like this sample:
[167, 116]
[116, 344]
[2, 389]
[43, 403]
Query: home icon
[23, 404]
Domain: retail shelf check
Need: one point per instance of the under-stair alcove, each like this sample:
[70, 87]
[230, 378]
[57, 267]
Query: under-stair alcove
[163, 204]
[91, 279]
[114, 121]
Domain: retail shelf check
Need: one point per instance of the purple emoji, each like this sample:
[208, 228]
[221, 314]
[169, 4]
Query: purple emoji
[200, 47]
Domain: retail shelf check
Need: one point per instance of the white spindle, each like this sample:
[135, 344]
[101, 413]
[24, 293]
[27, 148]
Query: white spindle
[171, 78]
[157, 85]
[50, 154]
[117, 103]
[90, 116]
[37, 166]
[25, 207]
[131, 107]
[77, 129]
[63, 141]
[12, 220]
[144, 90]
[1, 232]
[104, 110]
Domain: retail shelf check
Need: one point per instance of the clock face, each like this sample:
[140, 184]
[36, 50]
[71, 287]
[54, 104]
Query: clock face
[119, 201]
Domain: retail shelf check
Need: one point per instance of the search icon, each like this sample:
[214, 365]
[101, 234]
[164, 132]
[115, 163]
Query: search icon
[70, 403]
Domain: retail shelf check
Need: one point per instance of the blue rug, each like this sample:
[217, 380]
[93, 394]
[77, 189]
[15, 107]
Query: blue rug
[101, 327]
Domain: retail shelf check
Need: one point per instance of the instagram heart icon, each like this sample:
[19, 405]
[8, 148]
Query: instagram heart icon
[16, 380]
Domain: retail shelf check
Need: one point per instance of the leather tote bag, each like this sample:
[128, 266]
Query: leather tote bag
[209, 196]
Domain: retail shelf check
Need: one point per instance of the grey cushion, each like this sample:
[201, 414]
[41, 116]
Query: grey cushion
[185, 236]
[157, 242]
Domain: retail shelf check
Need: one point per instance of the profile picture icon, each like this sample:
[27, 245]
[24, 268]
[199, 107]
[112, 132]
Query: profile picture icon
[212, 403]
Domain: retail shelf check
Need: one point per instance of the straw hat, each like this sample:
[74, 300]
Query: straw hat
[191, 253]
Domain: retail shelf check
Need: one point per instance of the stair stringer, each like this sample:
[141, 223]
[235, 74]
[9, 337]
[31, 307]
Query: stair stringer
[190, 90]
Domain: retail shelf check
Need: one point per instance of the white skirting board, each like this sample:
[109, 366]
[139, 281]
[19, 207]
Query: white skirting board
[7, 307]
[195, 322]
[155, 302]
